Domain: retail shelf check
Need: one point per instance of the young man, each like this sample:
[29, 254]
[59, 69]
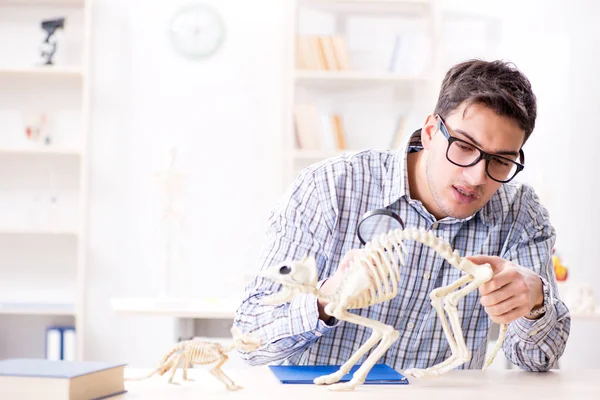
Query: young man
[455, 178]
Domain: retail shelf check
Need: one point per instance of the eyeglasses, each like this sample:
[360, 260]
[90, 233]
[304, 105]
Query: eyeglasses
[464, 154]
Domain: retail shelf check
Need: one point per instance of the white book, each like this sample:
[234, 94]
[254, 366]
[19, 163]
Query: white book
[53, 344]
[69, 344]
[328, 133]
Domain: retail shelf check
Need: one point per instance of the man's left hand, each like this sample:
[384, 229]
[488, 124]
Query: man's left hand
[512, 292]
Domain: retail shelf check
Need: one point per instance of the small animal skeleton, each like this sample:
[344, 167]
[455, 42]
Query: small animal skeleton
[199, 352]
[373, 278]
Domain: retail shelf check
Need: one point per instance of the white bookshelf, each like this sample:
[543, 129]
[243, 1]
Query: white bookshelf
[43, 182]
[374, 91]
[341, 79]
[46, 3]
[368, 7]
[310, 155]
[38, 308]
[33, 151]
[41, 72]
[38, 231]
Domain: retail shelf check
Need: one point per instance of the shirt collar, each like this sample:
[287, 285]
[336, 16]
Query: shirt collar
[396, 185]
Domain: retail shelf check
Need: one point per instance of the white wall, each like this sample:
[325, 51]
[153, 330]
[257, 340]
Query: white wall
[225, 114]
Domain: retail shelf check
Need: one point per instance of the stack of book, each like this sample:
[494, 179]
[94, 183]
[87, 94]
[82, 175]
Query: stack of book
[322, 53]
[318, 132]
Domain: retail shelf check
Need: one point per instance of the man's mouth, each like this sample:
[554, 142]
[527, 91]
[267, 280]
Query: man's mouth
[464, 195]
[466, 192]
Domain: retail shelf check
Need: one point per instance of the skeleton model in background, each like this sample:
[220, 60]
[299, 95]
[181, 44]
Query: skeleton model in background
[373, 278]
[172, 183]
[198, 352]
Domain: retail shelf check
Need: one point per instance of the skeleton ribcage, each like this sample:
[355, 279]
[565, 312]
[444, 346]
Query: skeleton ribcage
[201, 353]
[382, 258]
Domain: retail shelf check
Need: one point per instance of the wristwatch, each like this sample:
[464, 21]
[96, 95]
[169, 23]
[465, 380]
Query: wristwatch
[534, 313]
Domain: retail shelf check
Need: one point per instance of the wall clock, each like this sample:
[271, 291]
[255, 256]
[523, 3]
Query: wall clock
[196, 31]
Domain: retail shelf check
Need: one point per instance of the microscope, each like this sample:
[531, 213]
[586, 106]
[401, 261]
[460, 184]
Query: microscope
[48, 47]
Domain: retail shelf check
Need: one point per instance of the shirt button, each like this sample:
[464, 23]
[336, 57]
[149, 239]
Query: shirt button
[434, 225]
[410, 325]
[318, 334]
[533, 332]
[426, 275]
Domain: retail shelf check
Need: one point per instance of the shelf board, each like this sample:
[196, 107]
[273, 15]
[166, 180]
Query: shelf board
[368, 6]
[36, 309]
[37, 231]
[209, 308]
[52, 3]
[339, 78]
[39, 151]
[309, 154]
[42, 71]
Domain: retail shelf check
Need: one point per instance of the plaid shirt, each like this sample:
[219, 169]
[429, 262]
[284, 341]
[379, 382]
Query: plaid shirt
[318, 216]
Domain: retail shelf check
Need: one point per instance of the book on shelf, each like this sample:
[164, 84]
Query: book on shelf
[318, 132]
[60, 343]
[307, 127]
[322, 52]
[338, 131]
[29, 379]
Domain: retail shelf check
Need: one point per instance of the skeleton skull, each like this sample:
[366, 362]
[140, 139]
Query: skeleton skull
[295, 276]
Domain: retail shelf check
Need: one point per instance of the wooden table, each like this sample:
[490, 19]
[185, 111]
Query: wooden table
[259, 383]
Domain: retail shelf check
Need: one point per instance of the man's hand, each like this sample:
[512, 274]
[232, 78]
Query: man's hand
[334, 281]
[512, 292]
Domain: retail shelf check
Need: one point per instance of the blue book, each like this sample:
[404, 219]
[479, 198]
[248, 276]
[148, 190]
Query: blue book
[305, 374]
[26, 379]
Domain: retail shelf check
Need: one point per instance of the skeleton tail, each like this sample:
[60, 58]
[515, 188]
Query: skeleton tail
[166, 365]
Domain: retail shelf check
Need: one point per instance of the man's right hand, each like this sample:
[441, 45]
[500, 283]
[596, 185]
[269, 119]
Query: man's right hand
[333, 282]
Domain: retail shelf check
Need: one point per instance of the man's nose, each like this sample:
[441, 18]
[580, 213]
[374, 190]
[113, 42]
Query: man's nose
[475, 174]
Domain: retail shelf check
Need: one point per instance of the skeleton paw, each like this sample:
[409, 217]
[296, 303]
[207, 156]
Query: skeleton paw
[422, 373]
[329, 379]
[189, 379]
[233, 388]
[345, 386]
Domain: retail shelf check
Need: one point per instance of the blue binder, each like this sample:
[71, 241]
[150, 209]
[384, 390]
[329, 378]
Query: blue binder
[381, 374]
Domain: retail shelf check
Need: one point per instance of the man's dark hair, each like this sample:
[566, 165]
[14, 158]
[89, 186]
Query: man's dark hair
[498, 85]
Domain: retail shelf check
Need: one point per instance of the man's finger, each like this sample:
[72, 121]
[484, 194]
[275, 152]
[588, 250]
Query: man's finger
[502, 307]
[498, 281]
[510, 316]
[495, 262]
[497, 296]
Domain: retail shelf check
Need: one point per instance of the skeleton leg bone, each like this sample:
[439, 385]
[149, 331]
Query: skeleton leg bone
[186, 364]
[174, 364]
[390, 335]
[436, 301]
[376, 334]
[380, 331]
[480, 275]
[220, 375]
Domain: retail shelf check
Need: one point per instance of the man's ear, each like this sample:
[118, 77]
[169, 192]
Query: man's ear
[428, 131]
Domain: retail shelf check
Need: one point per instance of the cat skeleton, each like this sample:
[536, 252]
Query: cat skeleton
[373, 278]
